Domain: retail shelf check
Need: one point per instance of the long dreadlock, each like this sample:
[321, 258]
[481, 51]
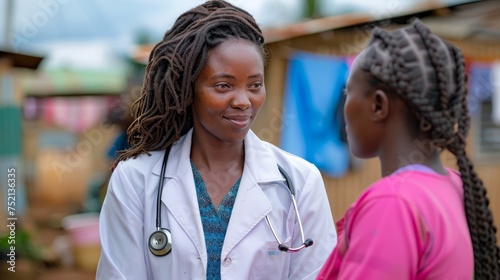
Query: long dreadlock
[162, 114]
[435, 90]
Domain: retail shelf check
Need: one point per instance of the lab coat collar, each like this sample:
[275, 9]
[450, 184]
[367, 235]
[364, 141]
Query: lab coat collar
[259, 159]
[178, 158]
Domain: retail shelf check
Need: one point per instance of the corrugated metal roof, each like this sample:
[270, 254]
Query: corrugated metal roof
[313, 26]
[346, 20]
[21, 59]
[478, 21]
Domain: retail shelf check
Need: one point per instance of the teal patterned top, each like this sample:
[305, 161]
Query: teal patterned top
[214, 221]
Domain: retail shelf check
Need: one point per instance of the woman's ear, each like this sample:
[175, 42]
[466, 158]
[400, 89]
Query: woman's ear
[380, 105]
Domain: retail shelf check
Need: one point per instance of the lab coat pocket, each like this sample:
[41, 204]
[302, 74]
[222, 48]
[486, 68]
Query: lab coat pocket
[272, 250]
[271, 264]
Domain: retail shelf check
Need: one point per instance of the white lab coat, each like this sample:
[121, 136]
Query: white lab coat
[250, 250]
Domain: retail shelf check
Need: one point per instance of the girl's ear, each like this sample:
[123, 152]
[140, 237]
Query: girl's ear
[380, 105]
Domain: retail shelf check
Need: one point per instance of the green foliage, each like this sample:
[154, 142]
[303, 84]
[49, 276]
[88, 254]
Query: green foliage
[22, 245]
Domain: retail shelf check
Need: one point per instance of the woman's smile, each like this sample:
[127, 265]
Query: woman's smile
[240, 121]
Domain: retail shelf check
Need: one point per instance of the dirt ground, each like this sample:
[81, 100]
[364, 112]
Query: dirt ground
[26, 271]
[58, 274]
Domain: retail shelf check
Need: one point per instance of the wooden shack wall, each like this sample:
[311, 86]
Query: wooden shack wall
[343, 191]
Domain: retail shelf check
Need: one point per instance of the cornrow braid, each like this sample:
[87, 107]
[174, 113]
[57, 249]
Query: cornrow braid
[162, 114]
[434, 87]
[439, 59]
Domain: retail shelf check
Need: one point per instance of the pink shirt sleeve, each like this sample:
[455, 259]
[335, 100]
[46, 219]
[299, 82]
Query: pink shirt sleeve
[381, 240]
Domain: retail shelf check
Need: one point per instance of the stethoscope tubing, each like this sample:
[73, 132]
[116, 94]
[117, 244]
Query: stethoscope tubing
[160, 189]
[291, 189]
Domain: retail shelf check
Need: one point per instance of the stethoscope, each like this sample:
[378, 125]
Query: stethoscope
[160, 241]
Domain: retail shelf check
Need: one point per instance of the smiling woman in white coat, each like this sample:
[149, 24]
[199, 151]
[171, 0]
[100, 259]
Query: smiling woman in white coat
[198, 195]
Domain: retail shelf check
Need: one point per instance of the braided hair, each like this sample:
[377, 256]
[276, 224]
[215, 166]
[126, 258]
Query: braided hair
[162, 114]
[434, 87]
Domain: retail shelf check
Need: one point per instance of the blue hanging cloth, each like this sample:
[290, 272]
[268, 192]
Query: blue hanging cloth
[311, 126]
[480, 85]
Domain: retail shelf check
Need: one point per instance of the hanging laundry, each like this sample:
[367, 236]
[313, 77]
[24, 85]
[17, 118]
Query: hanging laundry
[350, 60]
[75, 114]
[480, 85]
[495, 98]
[311, 128]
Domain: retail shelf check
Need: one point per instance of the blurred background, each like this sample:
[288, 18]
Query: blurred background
[70, 69]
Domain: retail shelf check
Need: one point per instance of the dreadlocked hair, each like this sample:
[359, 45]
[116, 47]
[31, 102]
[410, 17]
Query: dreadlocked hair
[162, 114]
[434, 87]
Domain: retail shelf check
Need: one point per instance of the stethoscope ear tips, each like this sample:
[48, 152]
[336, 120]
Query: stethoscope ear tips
[308, 242]
[160, 242]
[282, 247]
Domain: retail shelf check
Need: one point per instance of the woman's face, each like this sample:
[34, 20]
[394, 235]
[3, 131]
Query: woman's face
[363, 134]
[229, 91]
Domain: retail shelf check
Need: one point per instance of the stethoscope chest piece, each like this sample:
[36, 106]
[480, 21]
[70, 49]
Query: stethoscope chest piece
[160, 242]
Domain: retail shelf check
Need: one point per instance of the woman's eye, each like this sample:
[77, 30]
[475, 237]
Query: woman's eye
[255, 86]
[222, 86]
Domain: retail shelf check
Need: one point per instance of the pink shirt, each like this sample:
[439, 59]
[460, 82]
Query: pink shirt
[409, 225]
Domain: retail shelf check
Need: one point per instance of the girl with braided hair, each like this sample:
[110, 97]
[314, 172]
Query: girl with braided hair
[406, 103]
[198, 195]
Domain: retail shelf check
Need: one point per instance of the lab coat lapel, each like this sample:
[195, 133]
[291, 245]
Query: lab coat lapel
[179, 193]
[251, 204]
